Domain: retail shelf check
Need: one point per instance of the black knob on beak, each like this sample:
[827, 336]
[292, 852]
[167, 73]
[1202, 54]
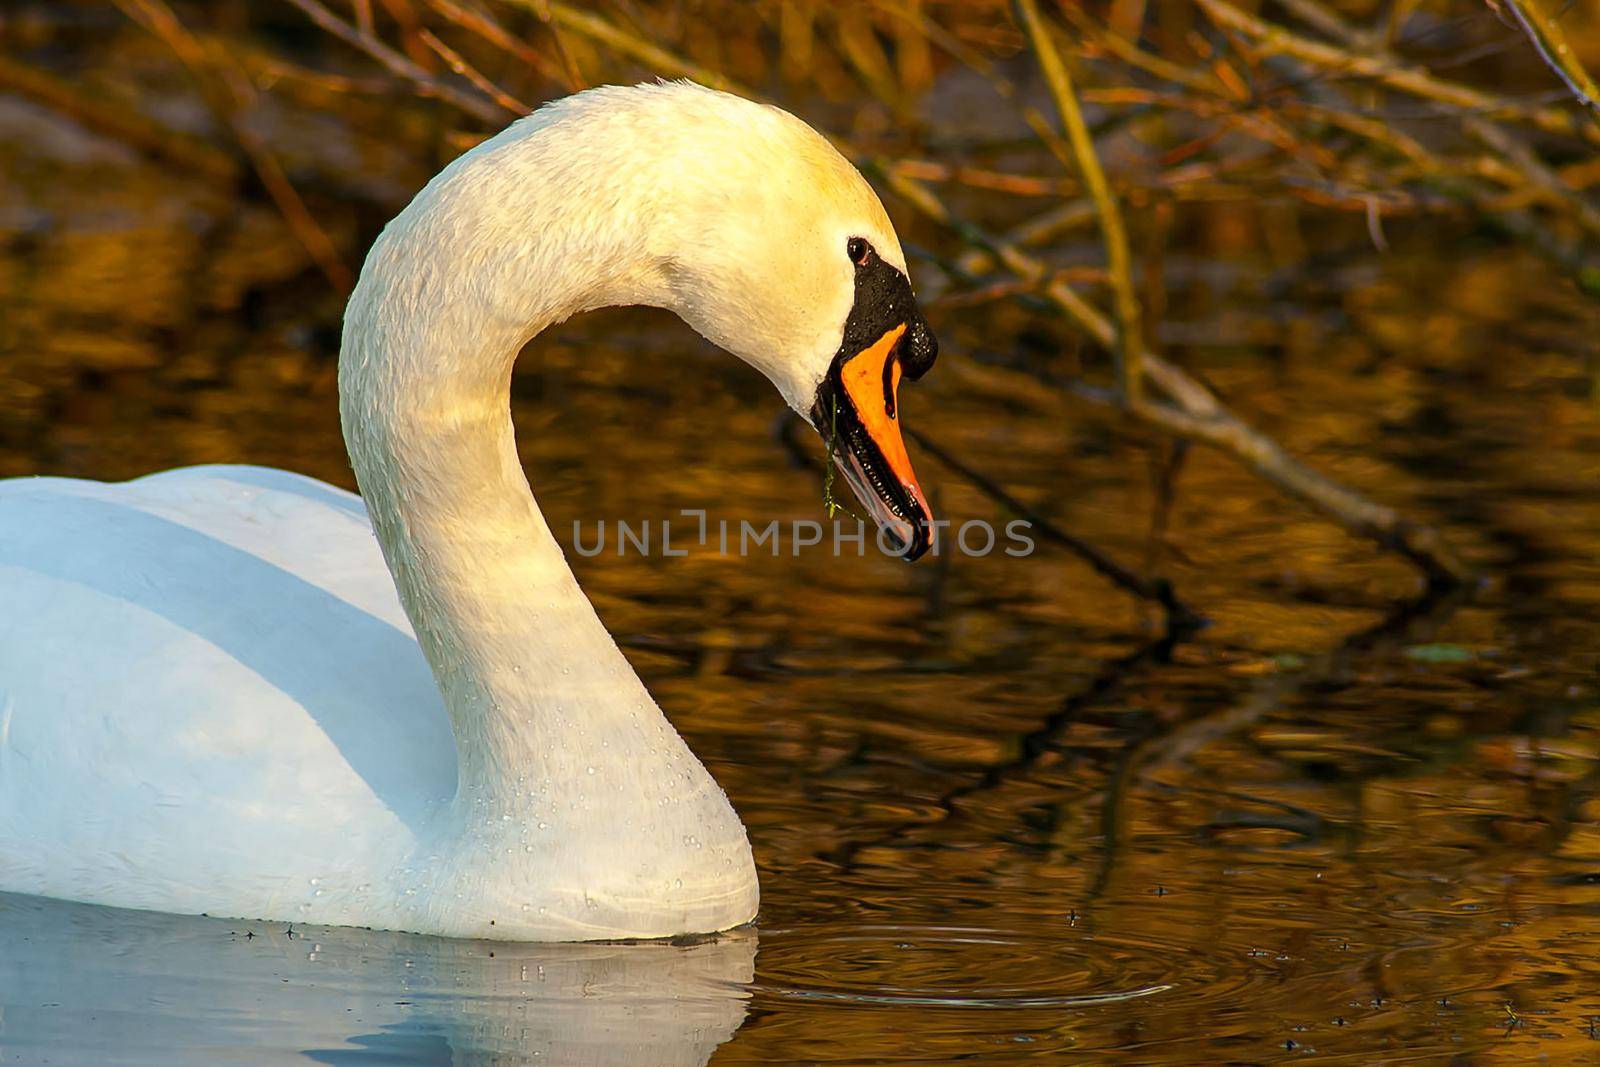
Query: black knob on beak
[919, 348]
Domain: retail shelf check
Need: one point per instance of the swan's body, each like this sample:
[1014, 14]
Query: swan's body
[215, 698]
[214, 690]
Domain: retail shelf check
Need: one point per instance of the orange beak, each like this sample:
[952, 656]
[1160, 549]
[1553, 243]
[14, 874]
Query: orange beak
[872, 382]
[864, 432]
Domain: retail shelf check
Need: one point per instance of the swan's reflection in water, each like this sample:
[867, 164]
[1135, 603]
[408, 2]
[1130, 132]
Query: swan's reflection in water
[83, 984]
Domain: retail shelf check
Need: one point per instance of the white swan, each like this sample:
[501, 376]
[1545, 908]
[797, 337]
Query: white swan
[211, 699]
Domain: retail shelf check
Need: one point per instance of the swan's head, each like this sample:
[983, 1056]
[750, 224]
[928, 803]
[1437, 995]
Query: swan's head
[737, 216]
[779, 251]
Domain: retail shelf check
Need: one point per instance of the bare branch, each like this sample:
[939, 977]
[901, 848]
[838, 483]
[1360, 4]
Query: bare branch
[1395, 75]
[426, 84]
[491, 31]
[1551, 44]
[1195, 413]
[459, 64]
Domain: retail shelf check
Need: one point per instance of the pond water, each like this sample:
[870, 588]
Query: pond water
[999, 816]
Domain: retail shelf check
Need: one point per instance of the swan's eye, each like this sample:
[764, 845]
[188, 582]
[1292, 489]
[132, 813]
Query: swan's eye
[859, 250]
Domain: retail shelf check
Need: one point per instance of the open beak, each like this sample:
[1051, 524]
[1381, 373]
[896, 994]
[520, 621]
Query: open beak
[857, 413]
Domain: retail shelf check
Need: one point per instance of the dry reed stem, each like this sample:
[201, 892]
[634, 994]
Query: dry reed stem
[541, 10]
[1528, 169]
[1129, 345]
[1372, 129]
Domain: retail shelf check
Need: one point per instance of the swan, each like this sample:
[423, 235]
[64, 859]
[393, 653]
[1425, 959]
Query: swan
[241, 692]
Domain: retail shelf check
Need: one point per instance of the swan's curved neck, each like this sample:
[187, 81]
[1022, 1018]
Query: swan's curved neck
[483, 259]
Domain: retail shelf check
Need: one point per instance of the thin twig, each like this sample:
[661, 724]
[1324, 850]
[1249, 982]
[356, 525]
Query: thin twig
[1395, 75]
[1551, 43]
[488, 29]
[1523, 165]
[985, 178]
[458, 63]
[425, 84]
[1534, 171]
